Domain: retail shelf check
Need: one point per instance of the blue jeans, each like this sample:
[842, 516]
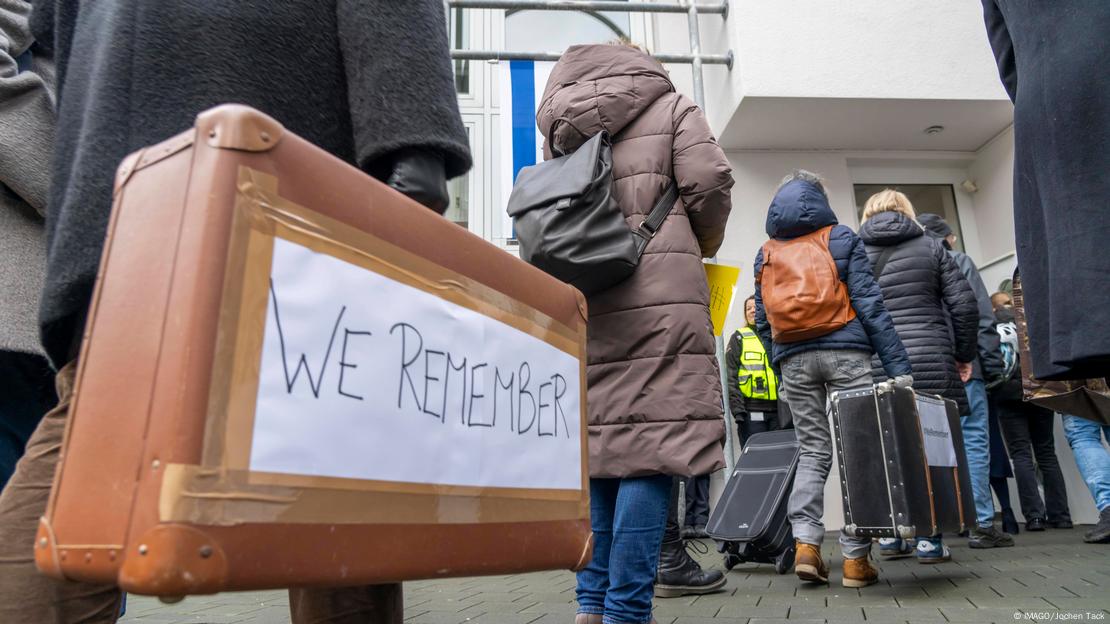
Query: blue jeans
[627, 517]
[977, 446]
[1091, 457]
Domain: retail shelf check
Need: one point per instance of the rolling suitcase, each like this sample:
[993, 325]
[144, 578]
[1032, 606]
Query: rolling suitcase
[749, 521]
[293, 375]
[903, 471]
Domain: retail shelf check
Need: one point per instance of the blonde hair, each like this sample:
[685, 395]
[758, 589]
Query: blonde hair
[888, 200]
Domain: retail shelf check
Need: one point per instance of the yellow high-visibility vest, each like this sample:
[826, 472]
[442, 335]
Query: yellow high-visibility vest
[755, 375]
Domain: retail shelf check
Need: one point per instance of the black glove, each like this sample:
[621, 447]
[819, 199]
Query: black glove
[420, 174]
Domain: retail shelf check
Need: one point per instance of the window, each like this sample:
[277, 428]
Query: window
[458, 189]
[459, 30]
[938, 199]
[554, 31]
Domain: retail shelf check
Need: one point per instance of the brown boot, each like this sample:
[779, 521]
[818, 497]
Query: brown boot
[859, 572]
[587, 618]
[809, 565]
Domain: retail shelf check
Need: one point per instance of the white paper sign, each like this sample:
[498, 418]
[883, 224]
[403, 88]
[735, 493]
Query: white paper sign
[364, 377]
[939, 450]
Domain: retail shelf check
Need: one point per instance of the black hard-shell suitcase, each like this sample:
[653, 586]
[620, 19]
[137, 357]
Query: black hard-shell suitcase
[893, 483]
[749, 522]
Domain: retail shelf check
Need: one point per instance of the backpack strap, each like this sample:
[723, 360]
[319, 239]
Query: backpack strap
[880, 264]
[651, 224]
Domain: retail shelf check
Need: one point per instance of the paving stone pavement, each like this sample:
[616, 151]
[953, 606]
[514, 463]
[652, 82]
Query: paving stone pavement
[1048, 577]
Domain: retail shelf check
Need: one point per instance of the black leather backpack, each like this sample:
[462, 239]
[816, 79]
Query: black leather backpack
[569, 224]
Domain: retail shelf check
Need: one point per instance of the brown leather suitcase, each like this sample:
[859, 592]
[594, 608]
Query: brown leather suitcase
[225, 438]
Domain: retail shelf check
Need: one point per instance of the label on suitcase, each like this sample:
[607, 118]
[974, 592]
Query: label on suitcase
[902, 465]
[752, 507]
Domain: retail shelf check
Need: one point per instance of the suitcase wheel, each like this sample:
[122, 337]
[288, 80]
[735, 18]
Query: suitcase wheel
[784, 561]
[732, 560]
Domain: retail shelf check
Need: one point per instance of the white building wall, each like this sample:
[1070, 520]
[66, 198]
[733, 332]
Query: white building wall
[919, 49]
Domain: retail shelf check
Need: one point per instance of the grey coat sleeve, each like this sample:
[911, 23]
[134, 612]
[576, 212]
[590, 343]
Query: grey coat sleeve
[26, 109]
[959, 300]
[990, 345]
[399, 81]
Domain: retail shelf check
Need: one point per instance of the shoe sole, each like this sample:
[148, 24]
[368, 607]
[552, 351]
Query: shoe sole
[1097, 539]
[932, 560]
[982, 545]
[809, 573]
[895, 555]
[856, 583]
[675, 591]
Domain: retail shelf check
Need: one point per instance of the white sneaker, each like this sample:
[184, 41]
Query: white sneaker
[932, 551]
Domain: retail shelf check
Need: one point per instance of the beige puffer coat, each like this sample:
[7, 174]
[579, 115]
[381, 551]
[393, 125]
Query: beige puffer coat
[654, 398]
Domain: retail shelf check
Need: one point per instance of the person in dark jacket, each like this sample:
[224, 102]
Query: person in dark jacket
[369, 81]
[816, 367]
[935, 312]
[753, 388]
[1028, 432]
[1046, 52]
[985, 366]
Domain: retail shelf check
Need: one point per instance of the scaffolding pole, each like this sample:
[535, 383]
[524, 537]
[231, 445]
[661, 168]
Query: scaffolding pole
[616, 6]
[498, 55]
[695, 58]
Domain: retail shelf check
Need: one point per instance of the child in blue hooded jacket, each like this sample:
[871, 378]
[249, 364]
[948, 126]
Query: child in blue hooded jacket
[815, 367]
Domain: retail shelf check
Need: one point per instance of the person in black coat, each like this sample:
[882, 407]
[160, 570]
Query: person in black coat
[1051, 58]
[925, 293]
[1028, 432]
[369, 81]
[936, 316]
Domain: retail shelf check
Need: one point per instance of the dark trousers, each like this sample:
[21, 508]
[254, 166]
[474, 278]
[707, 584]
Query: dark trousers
[1027, 430]
[671, 530]
[26, 394]
[697, 500]
[772, 421]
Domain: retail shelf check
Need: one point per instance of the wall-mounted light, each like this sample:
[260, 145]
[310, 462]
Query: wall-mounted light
[934, 129]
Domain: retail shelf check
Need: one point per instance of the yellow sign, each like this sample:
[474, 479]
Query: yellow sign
[722, 284]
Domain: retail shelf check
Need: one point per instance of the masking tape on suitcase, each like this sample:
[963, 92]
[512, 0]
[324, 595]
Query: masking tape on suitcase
[225, 490]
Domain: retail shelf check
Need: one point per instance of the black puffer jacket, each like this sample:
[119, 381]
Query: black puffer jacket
[932, 304]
